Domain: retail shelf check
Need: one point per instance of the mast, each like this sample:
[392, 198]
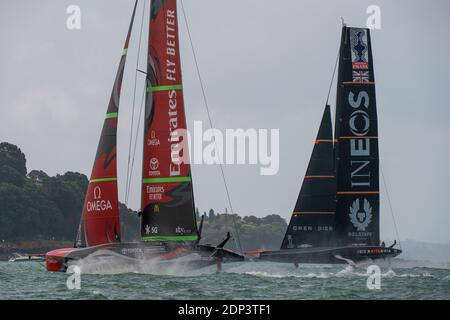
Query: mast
[356, 154]
[313, 219]
[167, 202]
[100, 222]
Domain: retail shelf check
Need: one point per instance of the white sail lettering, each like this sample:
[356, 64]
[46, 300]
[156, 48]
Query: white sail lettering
[98, 205]
[359, 125]
[171, 44]
[359, 147]
[364, 116]
[356, 104]
[357, 173]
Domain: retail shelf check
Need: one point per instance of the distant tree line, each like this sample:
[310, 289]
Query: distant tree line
[252, 232]
[35, 206]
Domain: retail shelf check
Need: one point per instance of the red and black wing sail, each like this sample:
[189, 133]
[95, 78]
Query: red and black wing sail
[313, 219]
[167, 195]
[100, 221]
[357, 159]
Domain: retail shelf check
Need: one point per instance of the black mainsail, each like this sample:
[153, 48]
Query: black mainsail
[356, 131]
[313, 219]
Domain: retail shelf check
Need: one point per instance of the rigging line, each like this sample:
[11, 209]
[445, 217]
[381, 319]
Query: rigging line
[135, 143]
[390, 206]
[236, 238]
[332, 77]
[133, 108]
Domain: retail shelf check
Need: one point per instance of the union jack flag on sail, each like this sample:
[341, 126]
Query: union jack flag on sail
[360, 76]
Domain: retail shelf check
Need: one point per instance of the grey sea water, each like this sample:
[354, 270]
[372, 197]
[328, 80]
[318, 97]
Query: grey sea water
[110, 280]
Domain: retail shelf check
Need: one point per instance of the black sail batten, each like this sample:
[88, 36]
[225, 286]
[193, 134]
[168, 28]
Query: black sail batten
[356, 154]
[312, 222]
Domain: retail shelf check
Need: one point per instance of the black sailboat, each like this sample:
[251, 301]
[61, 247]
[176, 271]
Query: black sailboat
[337, 214]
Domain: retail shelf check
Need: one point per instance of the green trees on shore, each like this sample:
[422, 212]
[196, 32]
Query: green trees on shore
[254, 233]
[36, 206]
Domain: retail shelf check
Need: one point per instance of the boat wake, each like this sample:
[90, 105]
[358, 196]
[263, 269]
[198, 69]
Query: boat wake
[322, 271]
[110, 263]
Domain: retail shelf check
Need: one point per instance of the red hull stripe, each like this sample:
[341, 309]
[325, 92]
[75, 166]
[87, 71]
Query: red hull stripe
[165, 88]
[167, 180]
[60, 252]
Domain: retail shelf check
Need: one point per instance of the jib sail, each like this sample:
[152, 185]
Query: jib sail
[357, 211]
[313, 219]
[100, 218]
[167, 196]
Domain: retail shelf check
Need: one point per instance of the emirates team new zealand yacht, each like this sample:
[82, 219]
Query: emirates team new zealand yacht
[337, 214]
[168, 224]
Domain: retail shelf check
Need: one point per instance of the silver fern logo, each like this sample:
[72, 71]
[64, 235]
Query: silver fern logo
[360, 216]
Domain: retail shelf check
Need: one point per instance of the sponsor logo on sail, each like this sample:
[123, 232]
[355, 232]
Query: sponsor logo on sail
[98, 204]
[180, 230]
[155, 192]
[358, 45]
[154, 165]
[153, 141]
[175, 138]
[360, 214]
[359, 124]
[151, 229]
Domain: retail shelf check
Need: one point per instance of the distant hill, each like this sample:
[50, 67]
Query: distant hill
[35, 206]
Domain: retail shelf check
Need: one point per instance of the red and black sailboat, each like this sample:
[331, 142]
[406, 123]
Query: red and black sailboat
[337, 214]
[168, 224]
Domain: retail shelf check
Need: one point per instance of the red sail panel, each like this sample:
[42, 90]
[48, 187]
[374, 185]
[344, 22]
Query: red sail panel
[100, 221]
[167, 196]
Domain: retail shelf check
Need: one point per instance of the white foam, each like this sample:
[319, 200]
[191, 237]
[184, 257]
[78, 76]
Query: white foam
[389, 274]
[108, 263]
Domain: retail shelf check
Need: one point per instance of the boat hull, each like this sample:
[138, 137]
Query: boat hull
[58, 260]
[328, 255]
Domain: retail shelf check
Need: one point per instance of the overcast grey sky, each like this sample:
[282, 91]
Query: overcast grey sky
[266, 64]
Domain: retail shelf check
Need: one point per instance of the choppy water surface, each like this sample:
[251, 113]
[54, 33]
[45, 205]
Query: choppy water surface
[113, 280]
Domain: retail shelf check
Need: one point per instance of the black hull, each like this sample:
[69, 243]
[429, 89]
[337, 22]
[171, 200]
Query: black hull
[327, 255]
[162, 254]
